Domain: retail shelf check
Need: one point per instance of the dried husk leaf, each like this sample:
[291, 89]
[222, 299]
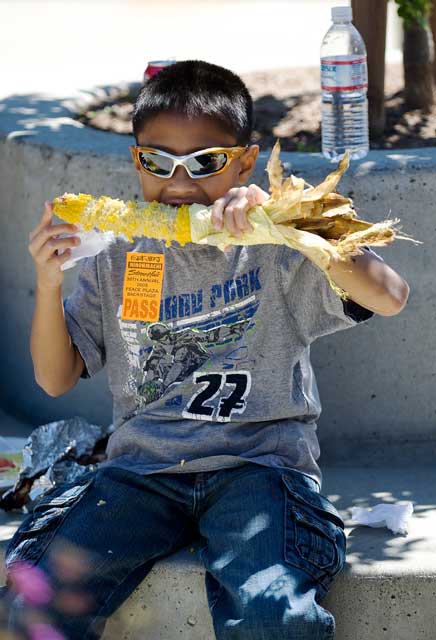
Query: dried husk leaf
[274, 170]
[320, 222]
[285, 210]
[311, 209]
[323, 189]
[335, 199]
[288, 206]
[344, 211]
[333, 229]
[377, 234]
[312, 245]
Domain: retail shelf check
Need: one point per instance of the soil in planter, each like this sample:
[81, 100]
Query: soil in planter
[287, 105]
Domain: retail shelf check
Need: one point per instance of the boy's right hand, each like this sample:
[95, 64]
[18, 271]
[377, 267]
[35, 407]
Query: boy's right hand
[44, 245]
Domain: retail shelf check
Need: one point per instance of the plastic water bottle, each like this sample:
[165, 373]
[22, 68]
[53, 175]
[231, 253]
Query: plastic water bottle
[344, 85]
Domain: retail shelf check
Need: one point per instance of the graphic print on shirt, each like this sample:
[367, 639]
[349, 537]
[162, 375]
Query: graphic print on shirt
[236, 387]
[207, 350]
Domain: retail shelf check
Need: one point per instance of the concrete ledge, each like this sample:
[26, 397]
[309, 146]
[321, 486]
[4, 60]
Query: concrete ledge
[387, 590]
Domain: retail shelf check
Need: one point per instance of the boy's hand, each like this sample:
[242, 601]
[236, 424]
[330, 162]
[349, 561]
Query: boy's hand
[231, 210]
[44, 245]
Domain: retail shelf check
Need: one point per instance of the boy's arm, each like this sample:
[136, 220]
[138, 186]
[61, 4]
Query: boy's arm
[56, 361]
[372, 283]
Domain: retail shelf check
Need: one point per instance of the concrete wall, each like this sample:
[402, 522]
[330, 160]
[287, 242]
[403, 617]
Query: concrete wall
[376, 381]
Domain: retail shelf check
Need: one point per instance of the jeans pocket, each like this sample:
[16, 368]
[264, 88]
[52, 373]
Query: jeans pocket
[37, 530]
[314, 533]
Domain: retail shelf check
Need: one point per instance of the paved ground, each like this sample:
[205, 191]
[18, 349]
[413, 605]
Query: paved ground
[62, 45]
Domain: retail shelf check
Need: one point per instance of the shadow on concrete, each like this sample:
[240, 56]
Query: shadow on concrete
[375, 545]
[366, 487]
[52, 121]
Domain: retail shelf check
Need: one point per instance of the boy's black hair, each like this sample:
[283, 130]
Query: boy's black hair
[195, 88]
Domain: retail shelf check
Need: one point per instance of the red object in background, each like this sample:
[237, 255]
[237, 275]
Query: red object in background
[5, 463]
[155, 66]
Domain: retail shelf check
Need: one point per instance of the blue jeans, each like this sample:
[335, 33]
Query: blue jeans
[272, 546]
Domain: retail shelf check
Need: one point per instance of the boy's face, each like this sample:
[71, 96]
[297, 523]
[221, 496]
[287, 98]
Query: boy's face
[177, 134]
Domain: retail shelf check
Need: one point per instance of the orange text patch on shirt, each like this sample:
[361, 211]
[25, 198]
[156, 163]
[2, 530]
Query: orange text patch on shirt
[142, 288]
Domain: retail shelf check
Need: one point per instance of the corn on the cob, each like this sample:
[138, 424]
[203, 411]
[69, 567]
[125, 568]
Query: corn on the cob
[317, 221]
[154, 220]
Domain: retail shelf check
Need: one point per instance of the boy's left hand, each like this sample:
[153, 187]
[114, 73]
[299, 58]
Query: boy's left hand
[230, 211]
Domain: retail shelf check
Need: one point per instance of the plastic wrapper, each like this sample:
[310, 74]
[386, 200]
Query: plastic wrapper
[393, 516]
[92, 242]
[54, 453]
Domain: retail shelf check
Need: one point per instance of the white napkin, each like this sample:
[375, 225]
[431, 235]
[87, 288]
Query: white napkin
[393, 516]
[92, 243]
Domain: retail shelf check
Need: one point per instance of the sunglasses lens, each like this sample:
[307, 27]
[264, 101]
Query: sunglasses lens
[207, 163]
[155, 163]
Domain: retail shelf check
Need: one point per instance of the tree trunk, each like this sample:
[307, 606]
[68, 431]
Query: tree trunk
[418, 58]
[433, 30]
[369, 18]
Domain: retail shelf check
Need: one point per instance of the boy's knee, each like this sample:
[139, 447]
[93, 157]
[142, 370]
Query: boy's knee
[276, 622]
[314, 624]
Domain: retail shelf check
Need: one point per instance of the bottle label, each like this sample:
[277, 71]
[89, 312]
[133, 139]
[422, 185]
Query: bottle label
[344, 73]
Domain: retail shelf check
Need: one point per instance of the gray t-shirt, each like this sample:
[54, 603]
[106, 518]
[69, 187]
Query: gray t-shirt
[224, 376]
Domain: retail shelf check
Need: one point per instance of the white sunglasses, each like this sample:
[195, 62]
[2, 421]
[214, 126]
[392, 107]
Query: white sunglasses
[199, 164]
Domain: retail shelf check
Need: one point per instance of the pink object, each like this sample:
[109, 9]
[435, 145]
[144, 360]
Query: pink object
[31, 582]
[41, 631]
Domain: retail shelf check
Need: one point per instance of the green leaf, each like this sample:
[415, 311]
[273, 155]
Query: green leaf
[414, 12]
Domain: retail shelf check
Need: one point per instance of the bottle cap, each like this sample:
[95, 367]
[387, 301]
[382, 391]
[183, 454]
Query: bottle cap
[342, 13]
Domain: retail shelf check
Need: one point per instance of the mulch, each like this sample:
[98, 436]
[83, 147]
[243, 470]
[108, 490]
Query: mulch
[287, 105]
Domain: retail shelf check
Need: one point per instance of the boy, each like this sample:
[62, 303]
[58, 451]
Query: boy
[215, 403]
